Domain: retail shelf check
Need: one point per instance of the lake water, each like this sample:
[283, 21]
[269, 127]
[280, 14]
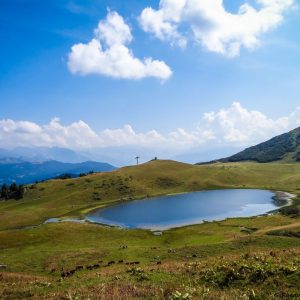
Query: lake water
[170, 211]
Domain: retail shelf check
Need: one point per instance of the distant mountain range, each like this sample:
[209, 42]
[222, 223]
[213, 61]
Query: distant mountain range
[284, 147]
[41, 154]
[116, 156]
[23, 172]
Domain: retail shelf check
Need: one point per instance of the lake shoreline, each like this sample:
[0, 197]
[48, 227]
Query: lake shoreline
[279, 197]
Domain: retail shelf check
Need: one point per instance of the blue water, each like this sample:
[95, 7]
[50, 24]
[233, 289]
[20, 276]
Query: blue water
[170, 211]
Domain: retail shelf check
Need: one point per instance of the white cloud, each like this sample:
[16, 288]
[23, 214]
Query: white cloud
[29, 134]
[234, 126]
[162, 23]
[113, 30]
[241, 126]
[107, 54]
[216, 29]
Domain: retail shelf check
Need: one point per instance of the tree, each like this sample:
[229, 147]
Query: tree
[20, 192]
[64, 176]
[4, 191]
[13, 187]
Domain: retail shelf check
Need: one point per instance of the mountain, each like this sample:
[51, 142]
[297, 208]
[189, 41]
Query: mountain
[23, 172]
[41, 154]
[284, 147]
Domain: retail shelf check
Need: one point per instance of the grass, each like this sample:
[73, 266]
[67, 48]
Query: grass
[205, 261]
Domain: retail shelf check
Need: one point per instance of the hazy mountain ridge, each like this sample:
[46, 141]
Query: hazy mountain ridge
[41, 154]
[284, 147]
[23, 172]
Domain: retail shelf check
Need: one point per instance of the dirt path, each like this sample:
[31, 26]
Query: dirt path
[283, 227]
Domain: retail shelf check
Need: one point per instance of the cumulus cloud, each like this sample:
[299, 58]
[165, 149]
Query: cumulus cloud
[163, 22]
[234, 126]
[238, 125]
[107, 54]
[211, 25]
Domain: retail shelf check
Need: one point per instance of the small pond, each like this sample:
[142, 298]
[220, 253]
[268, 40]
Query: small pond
[178, 210]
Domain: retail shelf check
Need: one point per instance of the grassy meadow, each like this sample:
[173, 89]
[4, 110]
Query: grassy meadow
[239, 258]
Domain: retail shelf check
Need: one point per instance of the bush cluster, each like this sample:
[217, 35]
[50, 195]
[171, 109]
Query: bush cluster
[251, 269]
[292, 210]
[13, 191]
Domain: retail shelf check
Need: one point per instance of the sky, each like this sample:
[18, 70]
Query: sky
[174, 78]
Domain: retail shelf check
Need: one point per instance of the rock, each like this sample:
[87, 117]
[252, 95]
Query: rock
[157, 233]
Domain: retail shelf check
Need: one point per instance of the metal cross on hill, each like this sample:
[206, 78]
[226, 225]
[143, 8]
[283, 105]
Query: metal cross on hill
[137, 160]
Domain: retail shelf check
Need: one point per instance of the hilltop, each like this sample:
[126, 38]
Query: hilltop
[284, 148]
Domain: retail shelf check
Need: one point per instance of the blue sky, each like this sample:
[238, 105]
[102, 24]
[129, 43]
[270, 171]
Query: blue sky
[37, 85]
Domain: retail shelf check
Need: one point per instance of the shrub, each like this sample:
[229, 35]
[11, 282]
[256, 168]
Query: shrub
[64, 176]
[287, 233]
[138, 273]
[292, 210]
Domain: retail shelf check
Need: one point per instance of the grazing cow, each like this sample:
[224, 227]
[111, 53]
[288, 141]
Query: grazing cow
[110, 262]
[96, 266]
[120, 261]
[136, 262]
[158, 263]
[79, 268]
[67, 273]
[194, 255]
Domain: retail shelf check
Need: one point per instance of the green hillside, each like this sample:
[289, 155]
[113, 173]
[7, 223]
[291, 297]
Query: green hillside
[285, 147]
[72, 197]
